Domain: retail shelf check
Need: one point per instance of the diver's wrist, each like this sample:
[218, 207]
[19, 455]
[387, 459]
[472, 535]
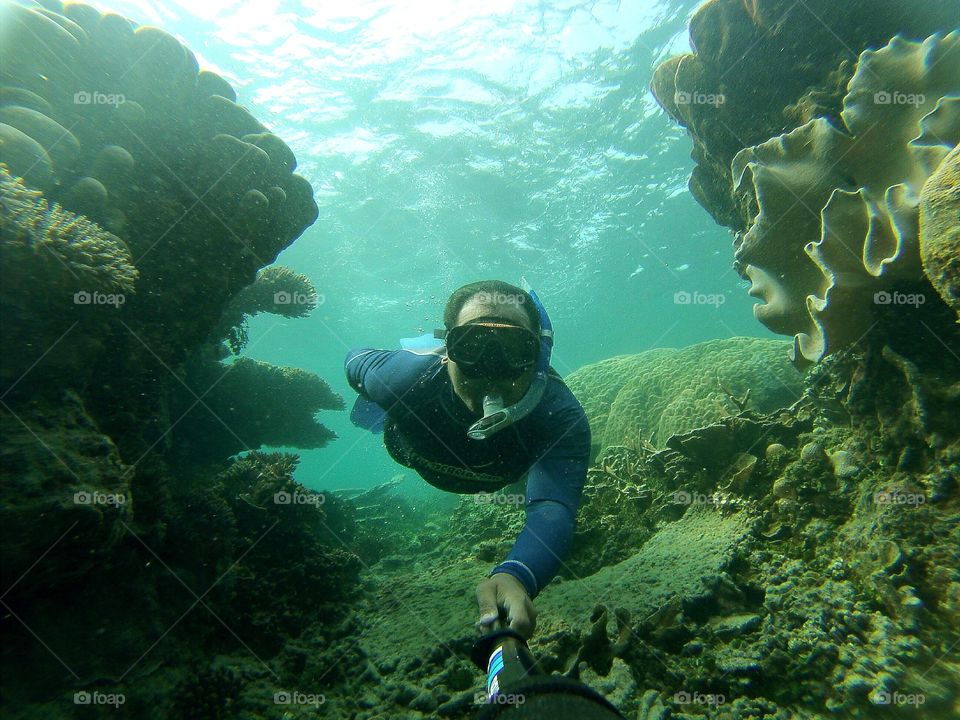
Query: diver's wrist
[520, 572]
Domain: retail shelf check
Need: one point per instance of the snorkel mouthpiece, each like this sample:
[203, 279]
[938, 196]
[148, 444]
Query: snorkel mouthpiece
[492, 404]
[494, 417]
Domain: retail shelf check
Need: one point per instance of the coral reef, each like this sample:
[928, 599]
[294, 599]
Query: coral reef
[210, 694]
[116, 121]
[661, 392]
[632, 490]
[940, 229]
[792, 564]
[297, 561]
[818, 173]
[622, 503]
[138, 198]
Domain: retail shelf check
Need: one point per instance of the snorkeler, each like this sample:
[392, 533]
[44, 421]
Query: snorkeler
[479, 412]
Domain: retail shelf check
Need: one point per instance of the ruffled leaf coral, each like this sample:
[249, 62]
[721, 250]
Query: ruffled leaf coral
[834, 147]
[831, 220]
[763, 67]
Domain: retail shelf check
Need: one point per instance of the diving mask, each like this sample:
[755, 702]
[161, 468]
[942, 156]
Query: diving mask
[493, 350]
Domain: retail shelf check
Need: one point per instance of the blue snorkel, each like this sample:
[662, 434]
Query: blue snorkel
[495, 416]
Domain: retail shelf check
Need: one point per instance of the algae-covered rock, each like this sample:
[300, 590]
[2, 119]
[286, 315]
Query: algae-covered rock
[659, 393]
[62, 483]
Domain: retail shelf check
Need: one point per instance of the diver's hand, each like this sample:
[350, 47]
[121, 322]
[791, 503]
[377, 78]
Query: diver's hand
[503, 595]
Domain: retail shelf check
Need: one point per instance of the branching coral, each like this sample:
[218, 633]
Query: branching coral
[58, 270]
[623, 499]
[277, 290]
[55, 250]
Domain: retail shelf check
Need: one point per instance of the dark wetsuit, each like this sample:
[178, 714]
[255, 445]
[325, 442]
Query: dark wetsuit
[551, 446]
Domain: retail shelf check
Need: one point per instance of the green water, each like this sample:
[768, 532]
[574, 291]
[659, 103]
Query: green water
[451, 141]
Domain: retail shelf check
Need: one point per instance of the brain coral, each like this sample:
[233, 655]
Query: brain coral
[663, 392]
[940, 229]
[833, 213]
[597, 385]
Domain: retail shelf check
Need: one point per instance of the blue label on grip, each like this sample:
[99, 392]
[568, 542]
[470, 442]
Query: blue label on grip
[494, 666]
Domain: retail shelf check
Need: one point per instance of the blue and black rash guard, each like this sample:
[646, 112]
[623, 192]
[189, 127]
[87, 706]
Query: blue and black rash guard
[551, 445]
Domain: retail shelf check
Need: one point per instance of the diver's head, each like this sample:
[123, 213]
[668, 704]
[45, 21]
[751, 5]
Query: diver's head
[493, 339]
